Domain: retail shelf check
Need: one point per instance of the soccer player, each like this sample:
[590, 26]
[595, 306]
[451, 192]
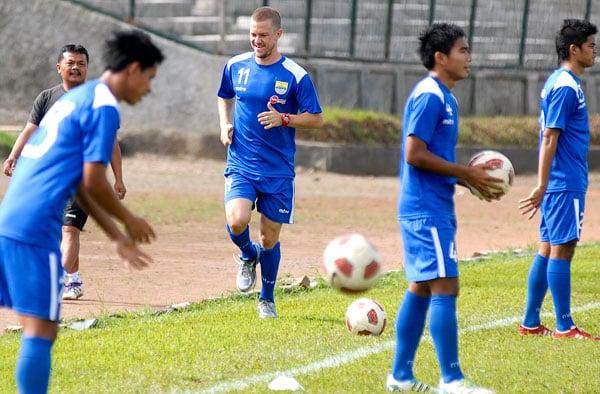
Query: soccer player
[72, 67]
[562, 181]
[66, 155]
[428, 174]
[270, 96]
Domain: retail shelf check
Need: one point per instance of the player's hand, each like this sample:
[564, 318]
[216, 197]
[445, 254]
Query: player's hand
[132, 256]
[120, 189]
[270, 118]
[227, 134]
[477, 178]
[139, 230]
[531, 204]
[9, 166]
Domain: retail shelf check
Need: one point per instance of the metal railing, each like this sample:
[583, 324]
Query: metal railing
[501, 33]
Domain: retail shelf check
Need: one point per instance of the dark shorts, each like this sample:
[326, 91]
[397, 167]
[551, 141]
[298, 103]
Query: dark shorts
[74, 215]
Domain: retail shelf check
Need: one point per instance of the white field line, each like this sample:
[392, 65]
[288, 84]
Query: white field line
[350, 356]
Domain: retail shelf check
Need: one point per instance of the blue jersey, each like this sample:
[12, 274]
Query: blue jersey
[254, 150]
[431, 114]
[563, 106]
[80, 127]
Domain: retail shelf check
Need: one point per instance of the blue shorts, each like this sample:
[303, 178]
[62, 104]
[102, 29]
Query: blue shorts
[273, 197]
[31, 279]
[561, 217]
[429, 248]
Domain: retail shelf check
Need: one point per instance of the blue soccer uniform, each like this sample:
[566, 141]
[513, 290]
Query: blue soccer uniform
[80, 127]
[426, 204]
[563, 107]
[262, 156]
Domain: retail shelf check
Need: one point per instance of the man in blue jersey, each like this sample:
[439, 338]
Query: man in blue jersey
[67, 155]
[562, 182]
[72, 67]
[429, 173]
[269, 96]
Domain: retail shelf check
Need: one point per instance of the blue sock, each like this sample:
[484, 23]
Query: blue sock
[33, 365]
[410, 323]
[444, 332]
[243, 242]
[559, 281]
[537, 285]
[269, 267]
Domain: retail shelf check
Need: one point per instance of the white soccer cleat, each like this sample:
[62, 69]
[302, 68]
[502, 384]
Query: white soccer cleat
[463, 386]
[412, 385]
[73, 291]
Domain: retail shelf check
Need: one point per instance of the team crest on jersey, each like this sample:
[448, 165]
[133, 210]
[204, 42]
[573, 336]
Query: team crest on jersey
[281, 87]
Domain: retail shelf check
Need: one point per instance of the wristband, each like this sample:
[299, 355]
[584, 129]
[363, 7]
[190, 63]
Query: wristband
[285, 119]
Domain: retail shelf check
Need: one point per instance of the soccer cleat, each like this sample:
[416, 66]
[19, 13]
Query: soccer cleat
[463, 386]
[73, 291]
[539, 330]
[577, 333]
[246, 275]
[266, 309]
[412, 385]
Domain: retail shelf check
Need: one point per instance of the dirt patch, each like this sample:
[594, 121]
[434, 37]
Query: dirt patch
[194, 257]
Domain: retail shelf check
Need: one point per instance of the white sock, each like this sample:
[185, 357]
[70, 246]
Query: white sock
[74, 277]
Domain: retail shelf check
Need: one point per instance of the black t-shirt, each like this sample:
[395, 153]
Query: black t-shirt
[43, 102]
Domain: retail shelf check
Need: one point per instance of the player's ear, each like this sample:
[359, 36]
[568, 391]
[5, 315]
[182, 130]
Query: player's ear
[439, 57]
[133, 67]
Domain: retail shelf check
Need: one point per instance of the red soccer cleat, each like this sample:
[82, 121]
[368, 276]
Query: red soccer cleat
[539, 330]
[577, 333]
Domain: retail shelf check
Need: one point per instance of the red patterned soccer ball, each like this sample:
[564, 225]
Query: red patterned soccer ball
[366, 317]
[351, 263]
[503, 170]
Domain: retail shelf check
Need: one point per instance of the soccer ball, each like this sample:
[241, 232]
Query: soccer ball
[366, 317]
[351, 263]
[503, 170]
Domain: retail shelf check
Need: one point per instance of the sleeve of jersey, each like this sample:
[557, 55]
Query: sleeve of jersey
[99, 135]
[37, 111]
[226, 88]
[560, 106]
[424, 116]
[307, 98]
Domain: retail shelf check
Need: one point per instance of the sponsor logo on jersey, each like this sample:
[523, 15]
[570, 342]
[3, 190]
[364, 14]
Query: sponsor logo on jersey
[281, 87]
[449, 111]
[276, 100]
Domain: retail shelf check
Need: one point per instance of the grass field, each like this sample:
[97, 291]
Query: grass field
[219, 345]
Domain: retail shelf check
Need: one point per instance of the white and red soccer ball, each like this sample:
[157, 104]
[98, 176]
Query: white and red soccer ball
[503, 169]
[366, 317]
[351, 263]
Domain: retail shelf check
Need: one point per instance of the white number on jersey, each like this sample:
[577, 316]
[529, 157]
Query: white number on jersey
[50, 122]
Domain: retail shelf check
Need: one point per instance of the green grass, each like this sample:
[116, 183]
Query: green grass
[364, 127]
[220, 344]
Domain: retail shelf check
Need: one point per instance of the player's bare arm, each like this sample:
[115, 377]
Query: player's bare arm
[273, 118]
[11, 161]
[126, 248]
[225, 108]
[418, 155]
[116, 164]
[95, 182]
[530, 204]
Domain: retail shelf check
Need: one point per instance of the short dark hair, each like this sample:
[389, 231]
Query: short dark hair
[126, 47]
[73, 48]
[439, 37]
[267, 13]
[573, 32]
